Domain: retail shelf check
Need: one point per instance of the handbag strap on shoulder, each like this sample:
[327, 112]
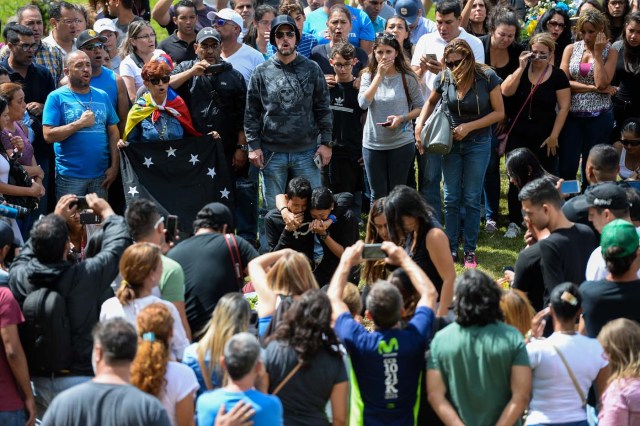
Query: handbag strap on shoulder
[573, 377]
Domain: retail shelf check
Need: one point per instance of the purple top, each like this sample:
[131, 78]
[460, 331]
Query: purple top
[27, 152]
[621, 403]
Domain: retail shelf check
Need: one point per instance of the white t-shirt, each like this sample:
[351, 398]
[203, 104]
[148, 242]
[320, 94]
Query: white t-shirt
[113, 309]
[245, 60]
[433, 43]
[555, 398]
[597, 267]
[128, 68]
[181, 381]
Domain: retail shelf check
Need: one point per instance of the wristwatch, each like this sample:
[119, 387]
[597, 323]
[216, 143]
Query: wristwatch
[244, 147]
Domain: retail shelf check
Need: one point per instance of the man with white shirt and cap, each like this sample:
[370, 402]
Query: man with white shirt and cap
[107, 29]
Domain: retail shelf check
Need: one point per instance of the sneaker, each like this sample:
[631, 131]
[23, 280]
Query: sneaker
[470, 260]
[491, 226]
[512, 231]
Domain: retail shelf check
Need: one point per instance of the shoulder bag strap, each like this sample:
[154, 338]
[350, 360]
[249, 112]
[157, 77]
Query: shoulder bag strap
[573, 377]
[286, 379]
[406, 90]
[528, 99]
[231, 242]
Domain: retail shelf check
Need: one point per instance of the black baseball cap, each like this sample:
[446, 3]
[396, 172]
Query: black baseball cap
[278, 22]
[607, 195]
[207, 33]
[88, 36]
[217, 213]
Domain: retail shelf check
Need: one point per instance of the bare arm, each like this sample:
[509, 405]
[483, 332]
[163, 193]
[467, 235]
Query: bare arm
[18, 364]
[511, 83]
[601, 382]
[60, 133]
[520, 394]
[131, 87]
[564, 101]
[258, 272]
[466, 14]
[351, 257]
[437, 245]
[122, 108]
[185, 411]
[160, 12]
[437, 396]
[339, 396]
[603, 69]
[183, 317]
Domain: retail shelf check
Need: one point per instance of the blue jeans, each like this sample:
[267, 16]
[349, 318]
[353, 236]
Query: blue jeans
[578, 136]
[578, 423]
[387, 169]
[429, 178]
[492, 181]
[463, 170]
[79, 186]
[279, 166]
[13, 418]
[46, 388]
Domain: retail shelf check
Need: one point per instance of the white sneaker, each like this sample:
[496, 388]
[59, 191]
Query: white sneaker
[512, 231]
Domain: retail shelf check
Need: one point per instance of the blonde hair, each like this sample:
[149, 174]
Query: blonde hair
[620, 339]
[230, 317]
[291, 275]
[351, 297]
[517, 310]
[155, 328]
[595, 18]
[543, 38]
[464, 75]
[135, 28]
[137, 262]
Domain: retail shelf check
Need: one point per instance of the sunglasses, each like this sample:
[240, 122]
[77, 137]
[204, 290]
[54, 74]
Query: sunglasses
[220, 22]
[93, 46]
[385, 36]
[630, 142]
[288, 34]
[556, 24]
[453, 64]
[155, 81]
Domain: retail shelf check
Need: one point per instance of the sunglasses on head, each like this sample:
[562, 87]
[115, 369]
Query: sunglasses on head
[630, 142]
[155, 81]
[282, 34]
[386, 36]
[453, 64]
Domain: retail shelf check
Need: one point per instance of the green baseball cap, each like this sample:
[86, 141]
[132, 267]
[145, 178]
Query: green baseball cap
[619, 233]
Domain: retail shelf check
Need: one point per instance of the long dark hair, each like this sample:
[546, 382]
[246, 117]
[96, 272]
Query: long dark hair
[306, 327]
[373, 271]
[565, 38]
[251, 38]
[406, 201]
[631, 54]
[523, 166]
[400, 63]
[406, 44]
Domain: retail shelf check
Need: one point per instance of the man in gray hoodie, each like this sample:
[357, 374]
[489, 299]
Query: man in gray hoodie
[288, 123]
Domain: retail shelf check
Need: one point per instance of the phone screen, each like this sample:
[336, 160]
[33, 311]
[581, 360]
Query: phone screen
[171, 228]
[82, 203]
[373, 251]
[635, 184]
[570, 187]
[318, 161]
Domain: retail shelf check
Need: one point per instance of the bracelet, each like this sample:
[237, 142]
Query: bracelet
[285, 207]
[404, 118]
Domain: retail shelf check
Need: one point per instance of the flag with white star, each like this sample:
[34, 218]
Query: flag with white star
[180, 176]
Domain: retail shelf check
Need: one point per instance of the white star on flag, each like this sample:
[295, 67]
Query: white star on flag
[133, 190]
[224, 193]
[171, 152]
[194, 159]
[211, 172]
[148, 162]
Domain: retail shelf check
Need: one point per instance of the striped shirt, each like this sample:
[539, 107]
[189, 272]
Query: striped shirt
[47, 56]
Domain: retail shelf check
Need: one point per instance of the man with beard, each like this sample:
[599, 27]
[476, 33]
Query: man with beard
[180, 44]
[82, 123]
[215, 94]
[287, 108]
[47, 56]
[65, 24]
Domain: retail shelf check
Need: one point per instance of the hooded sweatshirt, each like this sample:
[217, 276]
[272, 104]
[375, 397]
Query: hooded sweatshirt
[287, 106]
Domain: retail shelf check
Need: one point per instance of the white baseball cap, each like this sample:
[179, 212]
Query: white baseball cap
[226, 14]
[104, 24]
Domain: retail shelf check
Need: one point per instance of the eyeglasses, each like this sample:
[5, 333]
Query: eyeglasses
[70, 21]
[453, 64]
[556, 24]
[342, 66]
[156, 81]
[146, 37]
[386, 36]
[630, 142]
[93, 46]
[282, 34]
[616, 3]
[27, 47]
[158, 222]
[264, 22]
[206, 47]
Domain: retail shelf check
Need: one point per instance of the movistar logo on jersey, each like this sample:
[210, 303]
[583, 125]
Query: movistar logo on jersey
[385, 348]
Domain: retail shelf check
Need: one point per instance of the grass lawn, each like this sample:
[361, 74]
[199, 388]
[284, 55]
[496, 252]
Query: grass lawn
[494, 251]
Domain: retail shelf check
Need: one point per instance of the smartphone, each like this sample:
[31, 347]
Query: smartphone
[89, 219]
[318, 161]
[635, 184]
[171, 228]
[385, 124]
[432, 57]
[82, 203]
[570, 187]
[373, 252]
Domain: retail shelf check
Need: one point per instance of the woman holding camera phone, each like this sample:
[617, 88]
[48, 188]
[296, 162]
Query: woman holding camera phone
[535, 89]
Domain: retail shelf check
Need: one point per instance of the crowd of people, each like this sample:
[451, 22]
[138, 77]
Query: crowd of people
[273, 311]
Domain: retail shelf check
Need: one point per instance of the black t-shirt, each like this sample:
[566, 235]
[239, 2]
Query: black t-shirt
[320, 55]
[179, 50]
[208, 273]
[528, 276]
[514, 51]
[627, 82]
[538, 117]
[347, 124]
[279, 238]
[344, 232]
[603, 301]
[422, 257]
[564, 256]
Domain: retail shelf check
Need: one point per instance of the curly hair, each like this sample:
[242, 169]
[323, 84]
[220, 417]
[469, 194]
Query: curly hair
[137, 262]
[9, 90]
[477, 299]
[306, 327]
[595, 18]
[155, 328]
[154, 69]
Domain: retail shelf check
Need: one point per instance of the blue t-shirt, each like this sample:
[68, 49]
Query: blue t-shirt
[388, 365]
[190, 358]
[84, 154]
[268, 408]
[107, 81]
[361, 26]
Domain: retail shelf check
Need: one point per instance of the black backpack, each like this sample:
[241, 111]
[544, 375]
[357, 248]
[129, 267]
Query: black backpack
[46, 333]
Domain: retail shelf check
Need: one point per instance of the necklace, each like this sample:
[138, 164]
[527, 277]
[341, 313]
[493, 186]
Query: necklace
[82, 104]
